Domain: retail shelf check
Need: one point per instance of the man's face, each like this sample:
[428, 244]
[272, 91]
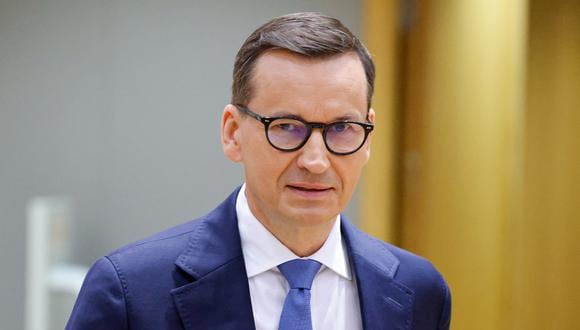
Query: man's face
[309, 186]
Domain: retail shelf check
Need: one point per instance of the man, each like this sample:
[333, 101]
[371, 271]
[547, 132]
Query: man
[277, 254]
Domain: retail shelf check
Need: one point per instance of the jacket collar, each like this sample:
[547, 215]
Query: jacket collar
[219, 296]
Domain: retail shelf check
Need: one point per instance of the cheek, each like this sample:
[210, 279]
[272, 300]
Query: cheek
[263, 165]
[350, 173]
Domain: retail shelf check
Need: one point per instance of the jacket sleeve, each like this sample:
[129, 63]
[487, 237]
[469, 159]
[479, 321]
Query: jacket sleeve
[101, 301]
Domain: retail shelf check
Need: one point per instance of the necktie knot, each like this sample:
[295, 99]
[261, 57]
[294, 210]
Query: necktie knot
[300, 272]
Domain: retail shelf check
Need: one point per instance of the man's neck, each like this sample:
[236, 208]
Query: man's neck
[302, 241]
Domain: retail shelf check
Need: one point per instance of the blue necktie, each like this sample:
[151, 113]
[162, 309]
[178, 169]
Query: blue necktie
[296, 312]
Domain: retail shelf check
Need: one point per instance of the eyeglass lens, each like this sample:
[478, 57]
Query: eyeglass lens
[288, 134]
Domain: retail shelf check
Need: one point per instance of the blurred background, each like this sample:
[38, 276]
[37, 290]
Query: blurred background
[109, 118]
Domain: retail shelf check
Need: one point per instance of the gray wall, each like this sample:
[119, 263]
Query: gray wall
[117, 104]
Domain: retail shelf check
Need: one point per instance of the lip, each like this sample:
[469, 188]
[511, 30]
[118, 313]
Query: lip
[310, 190]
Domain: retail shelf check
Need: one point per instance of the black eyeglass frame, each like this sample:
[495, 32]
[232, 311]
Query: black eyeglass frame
[266, 121]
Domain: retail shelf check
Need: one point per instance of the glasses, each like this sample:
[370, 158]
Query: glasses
[288, 133]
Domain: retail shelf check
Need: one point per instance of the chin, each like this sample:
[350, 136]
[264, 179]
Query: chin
[310, 216]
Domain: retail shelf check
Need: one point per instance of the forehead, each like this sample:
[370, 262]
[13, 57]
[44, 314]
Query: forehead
[285, 81]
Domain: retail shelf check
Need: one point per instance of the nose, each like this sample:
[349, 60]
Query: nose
[314, 155]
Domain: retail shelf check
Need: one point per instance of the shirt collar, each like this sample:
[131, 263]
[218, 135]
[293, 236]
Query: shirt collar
[263, 251]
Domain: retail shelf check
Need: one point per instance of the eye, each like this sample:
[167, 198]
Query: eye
[340, 127]
[288, 127]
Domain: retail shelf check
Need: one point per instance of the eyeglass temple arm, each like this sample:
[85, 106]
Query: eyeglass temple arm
[252, 114]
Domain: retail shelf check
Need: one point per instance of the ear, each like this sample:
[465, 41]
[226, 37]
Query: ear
[367, 147]
[230, 133]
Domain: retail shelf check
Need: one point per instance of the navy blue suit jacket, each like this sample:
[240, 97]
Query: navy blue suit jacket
[193, 277]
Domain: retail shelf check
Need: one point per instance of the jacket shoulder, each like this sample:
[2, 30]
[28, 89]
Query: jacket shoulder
[413, 266]
[156, 251]
[427, 283]
[431, 295]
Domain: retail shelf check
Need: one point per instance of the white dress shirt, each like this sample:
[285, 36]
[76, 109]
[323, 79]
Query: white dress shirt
[334, 295]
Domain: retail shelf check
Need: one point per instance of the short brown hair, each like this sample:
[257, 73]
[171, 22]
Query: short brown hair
[308, 34]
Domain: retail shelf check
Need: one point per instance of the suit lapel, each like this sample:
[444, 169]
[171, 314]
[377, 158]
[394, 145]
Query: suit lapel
[385, 303]
[219, 295]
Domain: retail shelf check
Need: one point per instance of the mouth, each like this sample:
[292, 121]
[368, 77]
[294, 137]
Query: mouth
[310, 189]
